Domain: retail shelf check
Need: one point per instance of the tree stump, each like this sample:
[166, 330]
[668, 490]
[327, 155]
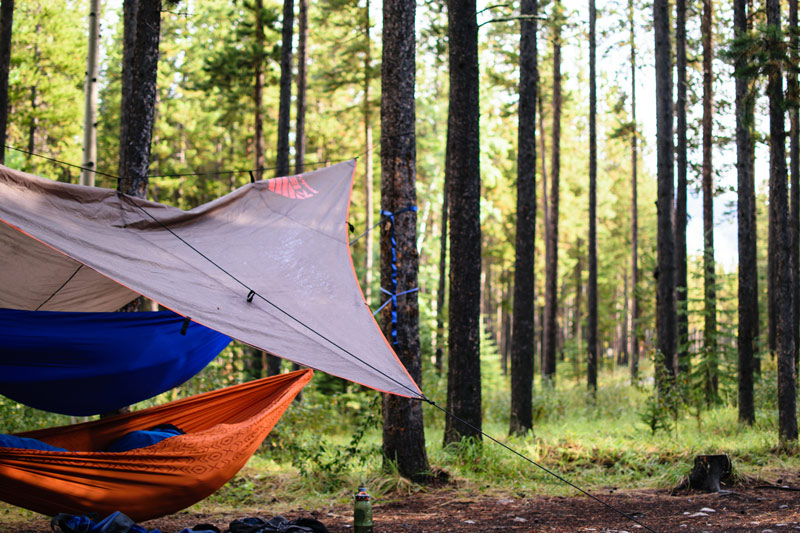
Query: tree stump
[709, 471]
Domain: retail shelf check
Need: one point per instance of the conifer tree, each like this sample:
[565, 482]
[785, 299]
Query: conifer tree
[591, 371]
[403, 429]
[779, 211]
[6, 25]
[463, 178]
[522, 337]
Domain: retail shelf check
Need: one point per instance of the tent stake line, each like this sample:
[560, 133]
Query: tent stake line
[534, 463]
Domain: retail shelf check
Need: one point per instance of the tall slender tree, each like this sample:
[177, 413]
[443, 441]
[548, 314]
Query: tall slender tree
[522, 337]
[709, 274]
[403, 430]
[302, 86]
[142, 100]
[285, 100]
[779, 211]
[258, 90]
[129, 8]
[90, 92]
[591, 370]
[442, 288]
[794, 151]
[748, 271]
[368, 177]
[6, 25]
[551, 252]
[681, 216]
[665, 272]
[634, 331]
[463, 176]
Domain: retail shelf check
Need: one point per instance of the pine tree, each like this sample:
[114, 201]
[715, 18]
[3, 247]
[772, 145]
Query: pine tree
[6, 25]
[591, 371]
[779, 211]
[681, 218]
[463, 178]
[748, 272]
[522, 337]
[403, 429]
[551, 260]
[709, 275]
[665, 273]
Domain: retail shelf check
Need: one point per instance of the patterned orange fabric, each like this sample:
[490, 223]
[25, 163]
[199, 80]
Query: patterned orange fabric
[223, 429]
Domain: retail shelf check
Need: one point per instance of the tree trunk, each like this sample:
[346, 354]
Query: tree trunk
[129, 9]
[89, 163]
[258, 92]
[709, 275]
[285, 102]
[591, 371]
[302, 85]
[551, 252]
[142, 100]
[463, 176]
[403, 430]
[577, 326]
[779, 210]
[368, 201]
[523, 342]
[748, 270]
[681, 280]
[6, 25]
[634, 329]
[442, 289]
[794, 117]
[665, 272]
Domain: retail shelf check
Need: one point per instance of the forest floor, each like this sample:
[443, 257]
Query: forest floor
[755, 506]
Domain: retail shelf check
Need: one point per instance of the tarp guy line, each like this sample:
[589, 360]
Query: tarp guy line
[252, 293]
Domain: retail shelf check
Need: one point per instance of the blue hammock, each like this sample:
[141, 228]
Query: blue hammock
[88, 363]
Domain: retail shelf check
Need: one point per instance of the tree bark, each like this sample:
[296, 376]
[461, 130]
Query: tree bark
[129, 9]
[748, 271]
[551, 251]
[403, 430]
[591, 370]
[665, 273]
[779, 211]
[285, 101]
[463, 176]
[368, 201]
[681, 271]
[89, 163]
[709, 274]
[794, 117]
[258, 92]
[442, 289]
[634, 329]
[142, 102]
[523, 342]
[302, 86]
[6, 26]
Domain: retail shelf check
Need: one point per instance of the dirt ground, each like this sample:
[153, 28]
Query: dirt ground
[750, 507]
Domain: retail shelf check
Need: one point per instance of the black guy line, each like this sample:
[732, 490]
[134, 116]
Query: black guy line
[534, 463]
[80, 266]
[415, 394]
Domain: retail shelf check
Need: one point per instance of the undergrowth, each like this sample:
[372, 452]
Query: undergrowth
[328, 443]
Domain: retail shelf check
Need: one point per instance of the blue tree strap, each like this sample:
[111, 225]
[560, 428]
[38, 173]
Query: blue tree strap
[393, 293]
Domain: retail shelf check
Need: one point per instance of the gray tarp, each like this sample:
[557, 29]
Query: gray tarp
[68, 247]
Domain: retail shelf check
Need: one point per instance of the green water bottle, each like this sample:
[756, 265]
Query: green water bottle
[362, 512]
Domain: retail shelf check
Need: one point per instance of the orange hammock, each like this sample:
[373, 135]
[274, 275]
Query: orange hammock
[223, 429]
